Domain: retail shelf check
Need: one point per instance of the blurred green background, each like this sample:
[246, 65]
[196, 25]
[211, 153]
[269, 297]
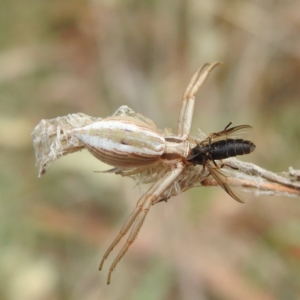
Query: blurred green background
[61, 57]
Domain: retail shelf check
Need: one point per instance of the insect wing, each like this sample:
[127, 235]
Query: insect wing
[221, 180]
[233, 133]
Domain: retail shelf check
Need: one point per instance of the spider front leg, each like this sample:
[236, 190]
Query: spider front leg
[139, 214]
[187, 107]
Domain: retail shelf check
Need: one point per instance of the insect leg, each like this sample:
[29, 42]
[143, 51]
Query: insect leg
[216, 165]
[227, 126]
[223, 165]
[217, 134]
[231, 167]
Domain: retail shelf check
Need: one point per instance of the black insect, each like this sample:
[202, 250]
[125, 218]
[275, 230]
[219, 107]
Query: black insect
[218, 146]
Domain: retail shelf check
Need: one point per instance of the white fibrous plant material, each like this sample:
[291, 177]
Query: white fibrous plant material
[52, 138]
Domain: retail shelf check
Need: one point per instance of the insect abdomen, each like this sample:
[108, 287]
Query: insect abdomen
[230, 147]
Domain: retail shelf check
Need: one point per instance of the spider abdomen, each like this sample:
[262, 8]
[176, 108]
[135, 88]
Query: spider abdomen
[122, 141]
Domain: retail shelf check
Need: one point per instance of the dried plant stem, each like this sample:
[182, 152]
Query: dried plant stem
[251, 177]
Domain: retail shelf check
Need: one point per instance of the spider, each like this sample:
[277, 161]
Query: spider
[135, 147]
[141, 145]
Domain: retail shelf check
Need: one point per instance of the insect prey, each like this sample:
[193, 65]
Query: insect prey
[218, 146]
[132, 144]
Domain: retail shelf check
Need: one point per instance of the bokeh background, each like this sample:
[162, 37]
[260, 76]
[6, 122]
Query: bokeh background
[61, 57]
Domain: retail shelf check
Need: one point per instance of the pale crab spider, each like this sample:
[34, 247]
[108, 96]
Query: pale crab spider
[134, 143]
